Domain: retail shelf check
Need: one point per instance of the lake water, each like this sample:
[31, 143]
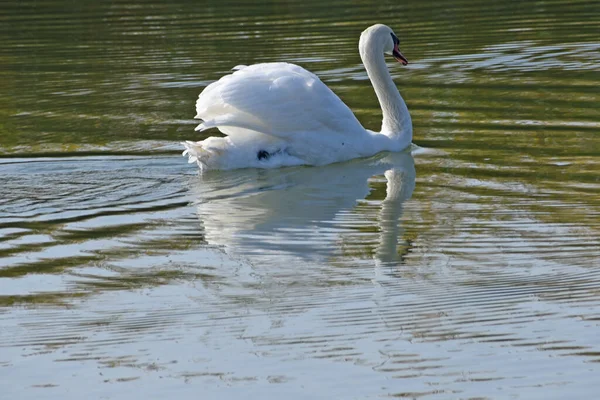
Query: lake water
[468, 268]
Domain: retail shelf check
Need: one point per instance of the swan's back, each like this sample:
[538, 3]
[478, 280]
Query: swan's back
[281, 100]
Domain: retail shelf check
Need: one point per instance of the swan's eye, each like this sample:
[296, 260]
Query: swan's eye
[395, 39]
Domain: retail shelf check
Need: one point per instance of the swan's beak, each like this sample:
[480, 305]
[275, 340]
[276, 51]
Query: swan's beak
[399, 56]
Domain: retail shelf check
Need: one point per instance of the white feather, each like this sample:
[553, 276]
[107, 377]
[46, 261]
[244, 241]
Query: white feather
[288, 114]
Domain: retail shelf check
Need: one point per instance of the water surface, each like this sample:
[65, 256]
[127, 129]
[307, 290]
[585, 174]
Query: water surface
[465, 268]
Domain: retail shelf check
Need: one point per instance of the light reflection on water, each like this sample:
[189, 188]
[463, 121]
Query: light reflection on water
[468, 269]
[237, 279]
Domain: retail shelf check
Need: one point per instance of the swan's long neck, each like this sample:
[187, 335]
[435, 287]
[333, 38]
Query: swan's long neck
[396, 123]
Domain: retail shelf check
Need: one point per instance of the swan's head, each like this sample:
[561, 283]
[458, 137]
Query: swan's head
[382, 37]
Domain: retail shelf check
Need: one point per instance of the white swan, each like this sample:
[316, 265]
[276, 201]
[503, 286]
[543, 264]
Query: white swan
[279, 114]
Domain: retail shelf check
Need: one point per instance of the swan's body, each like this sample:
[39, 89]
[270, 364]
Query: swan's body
[279, 114]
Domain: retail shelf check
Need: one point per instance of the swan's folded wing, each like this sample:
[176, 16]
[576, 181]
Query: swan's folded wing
[278, 99]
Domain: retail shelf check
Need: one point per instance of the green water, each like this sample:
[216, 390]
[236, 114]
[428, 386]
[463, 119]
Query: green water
[469, 269]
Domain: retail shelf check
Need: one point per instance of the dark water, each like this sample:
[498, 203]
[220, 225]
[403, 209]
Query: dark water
[467, 269]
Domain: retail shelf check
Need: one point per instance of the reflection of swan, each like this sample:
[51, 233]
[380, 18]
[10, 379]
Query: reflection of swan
[279, 114]
[400, 185]
[300, 211]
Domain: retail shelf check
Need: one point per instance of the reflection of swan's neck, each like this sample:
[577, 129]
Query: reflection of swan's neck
[400, 186]
[396, 119]
[391, 211]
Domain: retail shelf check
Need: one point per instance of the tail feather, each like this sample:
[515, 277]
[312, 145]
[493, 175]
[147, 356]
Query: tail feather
[204, 126]
[208, 154]
[196, 153]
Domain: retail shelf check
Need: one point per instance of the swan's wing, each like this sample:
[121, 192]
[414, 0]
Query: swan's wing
[278, 99]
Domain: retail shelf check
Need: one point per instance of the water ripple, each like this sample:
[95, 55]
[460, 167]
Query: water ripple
[467, 269]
